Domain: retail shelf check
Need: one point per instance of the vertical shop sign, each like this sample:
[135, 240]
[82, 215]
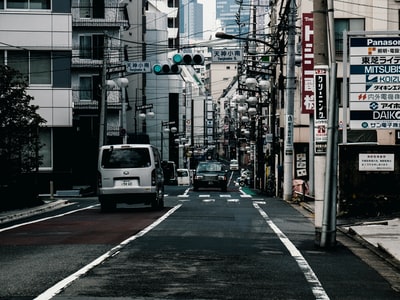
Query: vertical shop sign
[321, 109]
[307, 59]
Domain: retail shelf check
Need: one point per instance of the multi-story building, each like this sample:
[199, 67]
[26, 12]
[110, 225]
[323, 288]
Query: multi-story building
[234, 17]
[36, 39]
[97, 55]
[191, 20]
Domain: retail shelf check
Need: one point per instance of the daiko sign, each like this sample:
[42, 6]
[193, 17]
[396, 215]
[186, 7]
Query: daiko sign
[374, 97]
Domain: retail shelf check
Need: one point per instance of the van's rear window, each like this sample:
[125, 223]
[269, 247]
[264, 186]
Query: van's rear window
[126, 158]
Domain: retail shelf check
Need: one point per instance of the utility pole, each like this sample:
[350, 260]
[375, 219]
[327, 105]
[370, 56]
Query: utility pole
[289, 104]
[325, 161]
[328, 237]
[103, 104]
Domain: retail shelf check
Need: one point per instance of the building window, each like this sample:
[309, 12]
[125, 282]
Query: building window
[28, 4]
[40, 67]
[35, 65]
[170, 22]
[398, 21]
[91, 46]
[90, 88]
[19, 60]
[91, 9]
[346, 25]
[173, 3]
[39, 4]
[45, 151]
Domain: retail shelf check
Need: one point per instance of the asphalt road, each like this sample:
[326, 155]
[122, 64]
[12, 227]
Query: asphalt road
[204, 245]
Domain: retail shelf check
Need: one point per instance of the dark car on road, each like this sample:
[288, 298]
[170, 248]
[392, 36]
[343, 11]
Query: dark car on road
[210, 174]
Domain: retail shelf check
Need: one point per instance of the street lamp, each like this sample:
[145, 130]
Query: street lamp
[265, 86]
[123, 83]
[166, 127]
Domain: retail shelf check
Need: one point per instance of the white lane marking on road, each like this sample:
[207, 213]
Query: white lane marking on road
[185, 194]
[260, 202]
[225, 196]
[232, 200]
[208, 200]
[204, 196]
[243, 194]
[47, 218]
[58, 287]
[312, 279]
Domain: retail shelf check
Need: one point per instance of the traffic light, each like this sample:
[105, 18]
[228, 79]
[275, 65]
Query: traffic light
[166, 69]
[188, 59]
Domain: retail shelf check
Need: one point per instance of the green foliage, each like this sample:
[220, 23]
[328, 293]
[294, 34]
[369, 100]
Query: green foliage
[19, 127]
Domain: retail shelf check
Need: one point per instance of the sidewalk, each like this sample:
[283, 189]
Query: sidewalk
[381, 236]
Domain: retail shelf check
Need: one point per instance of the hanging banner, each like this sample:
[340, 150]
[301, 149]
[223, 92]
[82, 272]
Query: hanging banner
[307, 64]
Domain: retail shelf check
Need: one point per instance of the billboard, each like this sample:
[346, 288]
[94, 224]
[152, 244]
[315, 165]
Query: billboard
[374, 98]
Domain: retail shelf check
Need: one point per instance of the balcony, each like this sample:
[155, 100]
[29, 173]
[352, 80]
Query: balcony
[84, 22]
[113, 101]
[112, 17]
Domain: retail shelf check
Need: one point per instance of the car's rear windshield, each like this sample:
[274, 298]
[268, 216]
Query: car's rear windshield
[183, 173]
[210, 167]
[126, 158]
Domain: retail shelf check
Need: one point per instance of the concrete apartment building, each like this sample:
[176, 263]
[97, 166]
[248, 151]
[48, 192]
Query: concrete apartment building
[36, 38]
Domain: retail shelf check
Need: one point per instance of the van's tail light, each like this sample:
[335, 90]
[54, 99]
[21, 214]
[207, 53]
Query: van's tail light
[153, 177]
[99, 183]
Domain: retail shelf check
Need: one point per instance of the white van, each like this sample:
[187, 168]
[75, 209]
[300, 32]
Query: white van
[130, 173]
[183, 177]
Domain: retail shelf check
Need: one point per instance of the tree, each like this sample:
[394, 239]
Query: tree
[19, 130]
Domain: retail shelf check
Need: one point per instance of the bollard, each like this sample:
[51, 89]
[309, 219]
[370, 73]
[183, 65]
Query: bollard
[51, 190]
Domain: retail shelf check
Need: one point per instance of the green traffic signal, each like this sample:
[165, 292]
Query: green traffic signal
[177, 58]
[166, 69]
[188, 59]
[157, 68]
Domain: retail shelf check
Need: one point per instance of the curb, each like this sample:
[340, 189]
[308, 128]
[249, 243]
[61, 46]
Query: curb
[9, 216]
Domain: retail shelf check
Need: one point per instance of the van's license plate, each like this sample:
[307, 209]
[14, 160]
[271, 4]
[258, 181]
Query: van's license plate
[126, 182]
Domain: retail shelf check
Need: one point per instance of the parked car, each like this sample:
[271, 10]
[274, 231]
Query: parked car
[130, 173]
[234, 165]
[210, 174]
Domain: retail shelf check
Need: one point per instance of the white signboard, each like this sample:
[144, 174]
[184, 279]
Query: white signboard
[227, 55]
[374, 83]
[376, 162]
[138, 67]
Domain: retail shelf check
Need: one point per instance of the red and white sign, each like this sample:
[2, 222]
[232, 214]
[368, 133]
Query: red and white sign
[307, 58]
